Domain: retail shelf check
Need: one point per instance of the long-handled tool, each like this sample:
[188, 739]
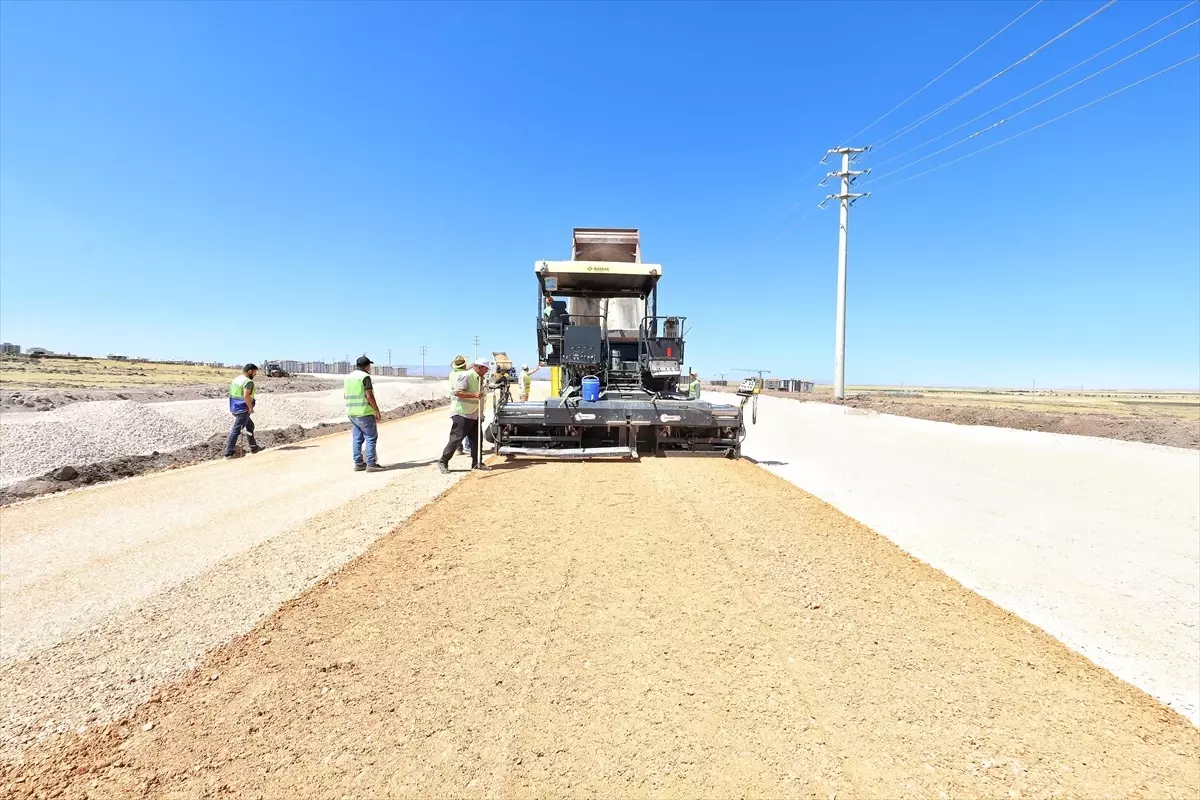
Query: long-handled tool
[479, 421]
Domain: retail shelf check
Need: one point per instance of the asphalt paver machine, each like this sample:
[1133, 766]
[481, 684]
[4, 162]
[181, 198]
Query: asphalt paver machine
[618, 388]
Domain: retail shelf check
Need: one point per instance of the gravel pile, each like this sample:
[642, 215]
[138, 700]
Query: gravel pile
[84, 433]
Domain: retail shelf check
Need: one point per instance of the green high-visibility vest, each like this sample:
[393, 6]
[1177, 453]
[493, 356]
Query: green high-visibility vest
[526, 380]
[694, 390]
[461, 407]
[453, 378]
[356, 395]
[237, 394]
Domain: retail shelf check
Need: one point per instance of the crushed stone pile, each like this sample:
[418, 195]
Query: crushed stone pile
[89, 432]
[85, 432]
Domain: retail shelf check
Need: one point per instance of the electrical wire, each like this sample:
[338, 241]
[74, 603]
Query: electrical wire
[945, 73]
[1013, 116]
[1040, 124]
[894, 108]
[1093, 57]
[921, 121]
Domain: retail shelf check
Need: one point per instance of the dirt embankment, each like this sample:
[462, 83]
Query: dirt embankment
[745, 639]
[1169, 431]
[72, 477]
[21, 400]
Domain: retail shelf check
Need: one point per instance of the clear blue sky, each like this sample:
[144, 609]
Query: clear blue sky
[233, 180]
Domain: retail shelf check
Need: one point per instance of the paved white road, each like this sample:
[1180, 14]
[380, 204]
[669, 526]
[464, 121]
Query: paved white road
[1094, 540]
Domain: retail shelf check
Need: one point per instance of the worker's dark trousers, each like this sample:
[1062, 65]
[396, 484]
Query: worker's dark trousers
[460, 428]
[240, 421]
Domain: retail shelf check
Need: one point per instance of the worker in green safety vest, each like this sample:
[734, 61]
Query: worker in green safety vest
[464, 415]
[693, 386]
[364, 416]
[241, 405]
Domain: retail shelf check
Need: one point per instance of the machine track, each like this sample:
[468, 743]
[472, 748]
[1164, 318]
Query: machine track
[663, 627]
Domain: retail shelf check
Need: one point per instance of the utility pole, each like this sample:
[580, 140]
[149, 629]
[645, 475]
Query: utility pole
[389, 358]
[476, 347]
[846, 199]
[424, 349]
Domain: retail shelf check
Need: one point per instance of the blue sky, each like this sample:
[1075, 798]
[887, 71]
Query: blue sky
[228, 181]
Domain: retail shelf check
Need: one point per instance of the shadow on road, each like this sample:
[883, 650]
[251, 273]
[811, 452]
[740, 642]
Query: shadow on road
[766, 463]
[408, 464]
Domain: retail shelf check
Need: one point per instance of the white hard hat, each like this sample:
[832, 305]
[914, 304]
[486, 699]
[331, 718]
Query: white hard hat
[479, 362]
[525, 367]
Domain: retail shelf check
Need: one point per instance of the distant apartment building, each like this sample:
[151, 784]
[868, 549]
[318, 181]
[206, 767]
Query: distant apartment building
[290, 366]
[10, 349]
[342, 368]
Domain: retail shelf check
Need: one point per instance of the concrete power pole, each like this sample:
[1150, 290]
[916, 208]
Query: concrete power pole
[476, 347]
[846, 199]
[424, 349]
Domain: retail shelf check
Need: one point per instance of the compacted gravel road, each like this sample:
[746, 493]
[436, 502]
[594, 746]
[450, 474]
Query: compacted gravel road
[105, 592]
[680, 627]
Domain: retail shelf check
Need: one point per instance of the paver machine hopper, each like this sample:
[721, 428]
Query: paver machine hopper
[617, 363]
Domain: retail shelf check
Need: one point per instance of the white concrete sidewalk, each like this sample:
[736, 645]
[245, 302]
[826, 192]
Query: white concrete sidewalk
[1094, 540]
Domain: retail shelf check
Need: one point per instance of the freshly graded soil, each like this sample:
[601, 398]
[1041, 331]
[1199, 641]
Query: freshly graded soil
[674, 627]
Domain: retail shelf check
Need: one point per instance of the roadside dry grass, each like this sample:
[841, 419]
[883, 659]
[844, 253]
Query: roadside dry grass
[53, 373]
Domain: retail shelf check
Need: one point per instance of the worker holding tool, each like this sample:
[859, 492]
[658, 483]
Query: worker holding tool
[526, 382]
[693, 386]
[364, 415]
[465, 416]
[458, 365]
[241, 405]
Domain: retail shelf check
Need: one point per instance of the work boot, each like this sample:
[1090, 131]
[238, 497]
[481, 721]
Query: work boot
[374, 468]
[254, 450]
[443, 468]
[360, 467]
[482, 467]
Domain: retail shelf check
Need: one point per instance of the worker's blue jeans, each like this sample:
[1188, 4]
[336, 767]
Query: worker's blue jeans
[363, 431]
[241, 421]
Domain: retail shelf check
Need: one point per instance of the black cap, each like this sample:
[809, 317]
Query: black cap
[249, 367]
[363, 361]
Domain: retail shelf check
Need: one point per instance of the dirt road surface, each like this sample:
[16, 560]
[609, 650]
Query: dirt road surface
[105, 592]
[1094, 540]
[664, 628]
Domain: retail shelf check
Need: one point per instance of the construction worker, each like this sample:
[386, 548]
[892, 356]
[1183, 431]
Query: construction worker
[459, 364]
[464, 415]
[241, 405]
[526, 382]
[693, 386]
[364, 415]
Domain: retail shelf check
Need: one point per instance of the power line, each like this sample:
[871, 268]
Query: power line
[945, 73]
[1042, 124]
[1013, 116]
[1035, 88]
[921, 121]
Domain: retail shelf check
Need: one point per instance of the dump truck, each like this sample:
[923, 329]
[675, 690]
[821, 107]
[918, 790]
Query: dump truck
[615, 364]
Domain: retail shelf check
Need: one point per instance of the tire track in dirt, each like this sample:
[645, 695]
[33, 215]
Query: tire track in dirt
[669, 627]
